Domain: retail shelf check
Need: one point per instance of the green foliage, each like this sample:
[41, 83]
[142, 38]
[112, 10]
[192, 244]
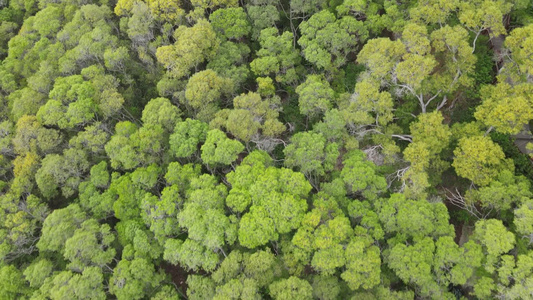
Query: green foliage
[291, 288]
[327, 41]
[193, 46]
[12, 286]
[230, 23]
[308, 151]
[219, 149]
[160, 111]
[60, 226]
[277, 56]
[359, 176]
[261, 149]
[521, 161]
[133, 279]
[314, 96]
[479, 159]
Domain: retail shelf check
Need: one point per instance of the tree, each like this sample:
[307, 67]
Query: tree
[333, 127]
[92, 139]
[238, 289]
[134, 279]
[452, 44]
[62, 172]
[160, 213]
[203, 5]
[263, 267]
[433, 11]
[327, 41]
[521, 275]
[205, 220]
[277, 57]
[479, 159]
[256, 228]
[503, 193]
[140, 25]
[393, 62]
[262, 16]
[204, 91]
[252, 119]
[12, 285]
[323, 236]
[193, 46]
[243, 177]
[328, 243]
[291, 288]
[190, 254]
[91, 196]
[363, 264]
[523, 220]
[415, 218]
[230, 23]
[187, 136]
[314, 96]
[30, 135]
[146, 177]
[359, 175]
[127, 197]
[326, 287]
[429, 138]
[167, 11]
[495, 240]
[381, 55]
[454, 264]
[87, 285]
[132, 146]
[24, 168]
[479, 16]
[25, 102]
[219, 149]
[38, 271]
[417, 268]
[521, 66]
[160, 111]
[368, 105]
[305, 8]
[231, 62]
[505, 108]
[308, 151]
[166, 292]
[22, 217]
[60, 226]
[138, 242]
[182, 175]
[282, 193]
[200, 287]
[90, 245]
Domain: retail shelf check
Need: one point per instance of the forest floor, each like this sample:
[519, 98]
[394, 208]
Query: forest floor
[522, 139]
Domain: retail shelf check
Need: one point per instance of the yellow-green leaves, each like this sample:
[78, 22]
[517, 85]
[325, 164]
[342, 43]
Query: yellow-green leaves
[219, 149]
[277, 57]
[315, 96]
[506, 108]
[479, 159]
[326, 41]
[193, 46]
[520, 43]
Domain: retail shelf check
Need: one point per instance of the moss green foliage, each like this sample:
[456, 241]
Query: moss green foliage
[261, 149]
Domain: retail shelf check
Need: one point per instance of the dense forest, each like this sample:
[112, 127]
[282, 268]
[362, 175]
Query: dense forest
[266, 149]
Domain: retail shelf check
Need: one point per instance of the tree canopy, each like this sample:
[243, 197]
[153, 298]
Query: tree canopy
[260, 149]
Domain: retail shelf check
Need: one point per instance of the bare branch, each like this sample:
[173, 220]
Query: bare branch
[404, 137]
[458, 200]
[442, 103]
